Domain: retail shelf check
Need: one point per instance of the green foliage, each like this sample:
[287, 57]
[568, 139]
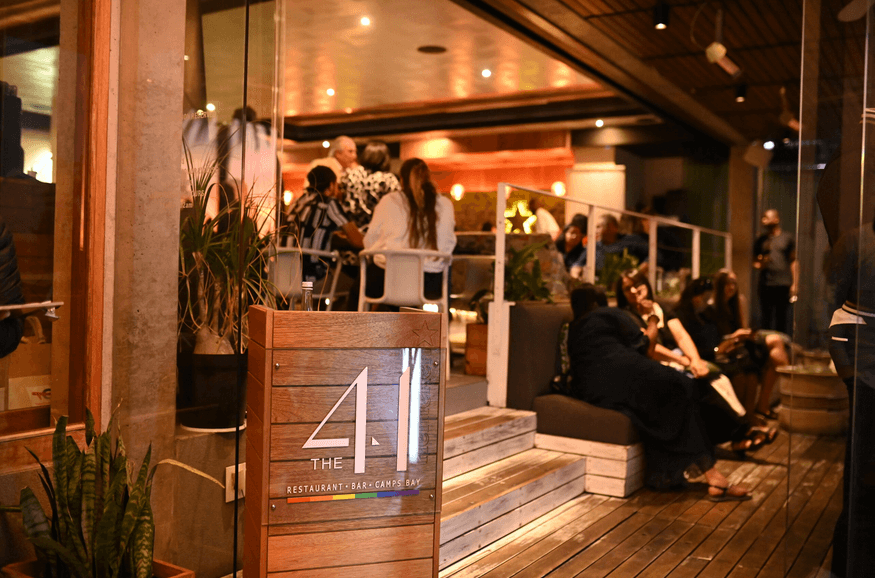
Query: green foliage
[523, 280]
[613, 267]
[212, 264]
[101, 522]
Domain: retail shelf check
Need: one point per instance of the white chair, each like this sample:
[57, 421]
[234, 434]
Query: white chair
[404, 280]
[284, 271]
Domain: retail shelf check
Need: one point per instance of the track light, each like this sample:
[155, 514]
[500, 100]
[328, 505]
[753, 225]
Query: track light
[660, 15]
[740, 93]
[716, 51]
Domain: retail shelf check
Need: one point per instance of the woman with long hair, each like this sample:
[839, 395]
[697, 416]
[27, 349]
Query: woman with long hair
[635, 295]
[729, 313]
[417, 217]
[610, 369]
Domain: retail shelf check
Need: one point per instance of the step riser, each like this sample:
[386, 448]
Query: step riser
[472, 460]
[459, 445]
[496, 529]
[469, 520]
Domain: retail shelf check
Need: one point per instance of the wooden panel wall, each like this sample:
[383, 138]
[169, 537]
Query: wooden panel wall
[308, 512]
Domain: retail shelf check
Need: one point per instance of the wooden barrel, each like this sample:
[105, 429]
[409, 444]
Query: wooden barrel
[814, 400]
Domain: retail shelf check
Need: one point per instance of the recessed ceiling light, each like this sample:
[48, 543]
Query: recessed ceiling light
[600, 123]
[432, 49]
[660, 16]
[486, 73]
[185, 57]
[740, 93]
[330, 92]
[325, 144]
[211, 107]
[769, 145]
[365, 21]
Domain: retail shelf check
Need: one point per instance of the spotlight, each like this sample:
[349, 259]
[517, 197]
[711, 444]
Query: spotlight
[211, 107]
[287, 198]
[558, 188]
[457, 191]
[660, 16]
[769, 145]
[600, 123]
[330, 92]
[365, 21]
[716, 51]
[325, 144]
[740, 93]
[486, 73]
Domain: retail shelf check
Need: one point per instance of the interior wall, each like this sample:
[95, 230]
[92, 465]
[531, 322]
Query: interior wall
[662, 175]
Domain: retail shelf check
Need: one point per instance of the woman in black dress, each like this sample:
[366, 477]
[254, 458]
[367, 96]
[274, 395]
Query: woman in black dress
[611, 369]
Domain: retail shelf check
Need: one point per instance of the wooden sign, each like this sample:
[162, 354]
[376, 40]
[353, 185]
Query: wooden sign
[344, 444]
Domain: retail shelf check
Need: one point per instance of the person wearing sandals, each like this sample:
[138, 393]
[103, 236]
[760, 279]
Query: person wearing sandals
[728, 311]
[718, 349]
[610, 369]
[676, 348]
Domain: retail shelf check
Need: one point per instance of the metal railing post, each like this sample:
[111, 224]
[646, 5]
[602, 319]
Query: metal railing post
[697, 253]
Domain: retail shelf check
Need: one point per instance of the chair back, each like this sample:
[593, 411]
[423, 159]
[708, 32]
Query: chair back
[284, 271]
[404, 279]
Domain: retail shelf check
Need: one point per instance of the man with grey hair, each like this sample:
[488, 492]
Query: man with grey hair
[343, 149]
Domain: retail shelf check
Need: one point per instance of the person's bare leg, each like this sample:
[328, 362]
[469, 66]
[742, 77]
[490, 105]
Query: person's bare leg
[777, 358]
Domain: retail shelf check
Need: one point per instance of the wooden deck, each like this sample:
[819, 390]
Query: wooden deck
[683, 534]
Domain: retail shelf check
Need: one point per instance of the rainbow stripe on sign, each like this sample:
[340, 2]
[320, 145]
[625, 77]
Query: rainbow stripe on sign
[353, 496]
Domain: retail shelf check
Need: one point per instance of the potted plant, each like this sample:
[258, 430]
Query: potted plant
[222, 271]
[100, 524]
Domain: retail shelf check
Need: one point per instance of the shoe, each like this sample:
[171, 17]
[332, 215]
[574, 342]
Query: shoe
[725, 496]
[768, 414]
[741, 447]
[766, 434]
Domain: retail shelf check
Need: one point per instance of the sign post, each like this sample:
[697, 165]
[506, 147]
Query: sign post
[344, 444]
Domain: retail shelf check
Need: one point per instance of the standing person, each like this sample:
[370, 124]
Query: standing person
[417, 217]
[318, 215]
[544, 221]
[775, 258]
[852, 347]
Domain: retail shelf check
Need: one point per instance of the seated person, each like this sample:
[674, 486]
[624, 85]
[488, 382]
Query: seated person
[728, 311]
[610, 369]
[635, 295]
[364, 189]
[572, 244]
[417, 217]
[611, 242]
[317, 216]
[727, 351]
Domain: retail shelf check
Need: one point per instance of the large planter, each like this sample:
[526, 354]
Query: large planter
[475, 348]
[33, 569]
[814, 400]
[212, 391]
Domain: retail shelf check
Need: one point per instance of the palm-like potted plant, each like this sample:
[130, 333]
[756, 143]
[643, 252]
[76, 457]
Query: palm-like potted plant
[100, 524]
[223, 259]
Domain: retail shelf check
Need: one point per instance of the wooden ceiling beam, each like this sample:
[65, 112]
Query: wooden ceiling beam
[569, 36]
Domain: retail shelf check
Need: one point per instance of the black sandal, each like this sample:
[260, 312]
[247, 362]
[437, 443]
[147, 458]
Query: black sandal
[768, 414]
[725, 496]
[767, 434]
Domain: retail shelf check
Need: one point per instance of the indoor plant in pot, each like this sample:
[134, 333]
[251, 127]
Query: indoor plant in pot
[222, 264]
[100, 524]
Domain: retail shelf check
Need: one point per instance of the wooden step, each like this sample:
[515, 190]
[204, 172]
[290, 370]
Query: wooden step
[485, 435]
[485, 504]
[464, 392]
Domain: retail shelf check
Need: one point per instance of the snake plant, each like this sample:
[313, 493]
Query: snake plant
[101, 522]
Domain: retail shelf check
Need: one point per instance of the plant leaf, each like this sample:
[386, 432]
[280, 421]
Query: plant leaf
[59, 462]
[89, 427]
[69, 558]
[134, 508]
[32, 514]
[89, 475]
[143, 543]
[190, 469]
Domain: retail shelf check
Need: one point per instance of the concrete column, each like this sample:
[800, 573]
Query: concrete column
[150, 77]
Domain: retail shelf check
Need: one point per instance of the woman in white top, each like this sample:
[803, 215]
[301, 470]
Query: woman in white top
[417, 217]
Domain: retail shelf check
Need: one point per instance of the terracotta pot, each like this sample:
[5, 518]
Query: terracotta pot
[31, 569]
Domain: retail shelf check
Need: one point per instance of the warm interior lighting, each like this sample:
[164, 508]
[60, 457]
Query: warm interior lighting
[431, 307]
[741, 93]
[486, 73]
[660, 16]
[325, 144]
[769, 145]
[600, 123]
[211, 107]
[287, 198]
[716, 51]
[365, 21]
[558, 188]
[457, 191]
[330, 92]
[518, 216]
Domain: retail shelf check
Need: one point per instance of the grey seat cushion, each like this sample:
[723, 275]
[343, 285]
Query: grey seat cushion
[560, 415]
